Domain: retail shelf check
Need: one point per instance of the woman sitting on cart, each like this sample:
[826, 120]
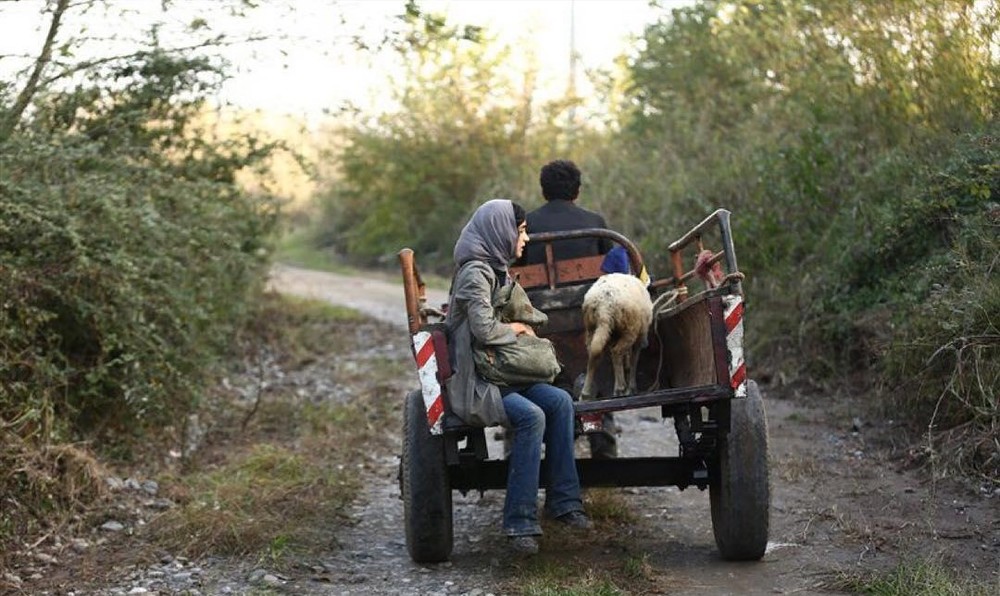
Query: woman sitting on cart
[494, 237]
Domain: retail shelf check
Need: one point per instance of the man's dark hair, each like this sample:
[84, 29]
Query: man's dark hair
[560, 180]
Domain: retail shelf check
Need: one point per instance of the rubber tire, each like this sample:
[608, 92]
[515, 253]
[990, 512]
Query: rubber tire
[427, 510]
[740, 490]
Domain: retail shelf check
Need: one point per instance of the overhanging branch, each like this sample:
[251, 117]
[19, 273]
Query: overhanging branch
[31, 86]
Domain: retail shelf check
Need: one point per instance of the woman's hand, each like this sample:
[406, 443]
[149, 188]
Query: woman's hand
[520, 328]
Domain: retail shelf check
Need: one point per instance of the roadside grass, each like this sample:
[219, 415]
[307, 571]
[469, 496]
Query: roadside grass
[605, 504]
[275, 478]
[610, 575]
[296, 248]
[637, 567]
[562, 579]
[306, 328]
[274, 472]
[264, 502]
[595, 570]
[801, 418]
[43, 487]
[796, 468]
[590, 585]
[915, 578]
[306, 312]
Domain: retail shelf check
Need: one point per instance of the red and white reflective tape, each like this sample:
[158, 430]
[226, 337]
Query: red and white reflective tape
[427, 367]
[734, 343]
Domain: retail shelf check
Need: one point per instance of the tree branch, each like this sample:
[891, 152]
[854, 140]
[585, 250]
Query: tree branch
[31, 86]
[214, 42]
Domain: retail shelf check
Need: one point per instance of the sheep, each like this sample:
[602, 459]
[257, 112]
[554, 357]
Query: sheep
[616, 309]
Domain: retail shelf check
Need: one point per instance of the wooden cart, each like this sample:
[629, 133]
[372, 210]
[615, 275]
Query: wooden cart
[693, 369]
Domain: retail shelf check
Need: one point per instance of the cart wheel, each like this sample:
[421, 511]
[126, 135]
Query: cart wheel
[740, 491]
[424, 483]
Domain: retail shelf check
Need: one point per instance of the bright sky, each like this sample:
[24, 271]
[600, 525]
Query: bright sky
[316, 70]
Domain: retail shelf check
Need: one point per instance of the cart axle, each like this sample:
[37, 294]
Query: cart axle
[638, 471]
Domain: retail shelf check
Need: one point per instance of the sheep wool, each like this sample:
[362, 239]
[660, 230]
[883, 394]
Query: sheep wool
[617, 313]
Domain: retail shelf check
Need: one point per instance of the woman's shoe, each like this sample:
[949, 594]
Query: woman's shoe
[525, 545]
[577, 520]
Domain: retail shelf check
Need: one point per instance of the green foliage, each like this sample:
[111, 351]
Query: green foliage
[854, 143]
[780, 112]
[296, 247]
[462, 132]
[955, 196]
[127, 253]
[924, 289]
[940, 270]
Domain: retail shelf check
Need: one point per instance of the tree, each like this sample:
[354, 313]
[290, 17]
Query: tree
[462, 131]
[10, 119]
[855, 144]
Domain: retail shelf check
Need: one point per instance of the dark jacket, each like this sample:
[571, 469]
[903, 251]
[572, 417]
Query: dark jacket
[561, 216]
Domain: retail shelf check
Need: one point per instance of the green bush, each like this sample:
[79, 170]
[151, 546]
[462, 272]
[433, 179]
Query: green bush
[127, 254]
[938, 268]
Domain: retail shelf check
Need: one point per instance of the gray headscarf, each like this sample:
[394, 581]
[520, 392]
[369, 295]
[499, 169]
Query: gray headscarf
[490, 236]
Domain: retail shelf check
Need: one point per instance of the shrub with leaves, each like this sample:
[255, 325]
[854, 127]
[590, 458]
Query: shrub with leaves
[127, 253]
[939, 267]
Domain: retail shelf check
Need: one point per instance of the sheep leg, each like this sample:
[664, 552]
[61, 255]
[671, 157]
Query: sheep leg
[588, 383]
[596, 340]
[619, 353]
[618, 361]
[633, 366]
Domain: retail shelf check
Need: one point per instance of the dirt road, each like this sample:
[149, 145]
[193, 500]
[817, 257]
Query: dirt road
[373, 296]
[840, 505]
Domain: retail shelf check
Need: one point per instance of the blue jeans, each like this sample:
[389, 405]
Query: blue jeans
[536, 413]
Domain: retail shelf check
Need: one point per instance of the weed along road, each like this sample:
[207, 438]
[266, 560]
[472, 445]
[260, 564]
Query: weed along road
[841, 507]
